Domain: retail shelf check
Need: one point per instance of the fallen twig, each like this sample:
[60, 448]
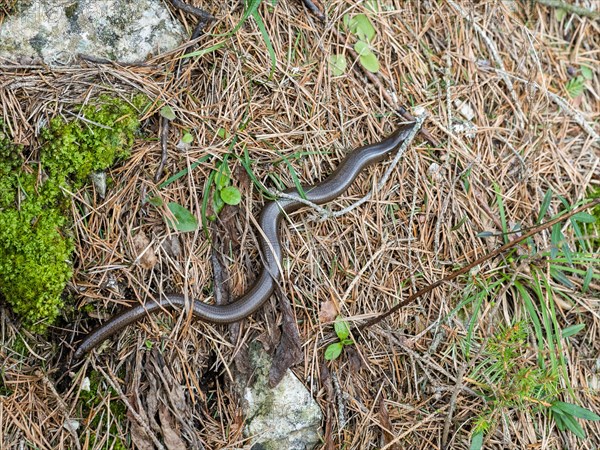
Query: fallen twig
[164, 138]
[573, 9]
[468, 267]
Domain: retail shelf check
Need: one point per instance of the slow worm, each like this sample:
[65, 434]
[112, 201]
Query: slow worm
[270, 247]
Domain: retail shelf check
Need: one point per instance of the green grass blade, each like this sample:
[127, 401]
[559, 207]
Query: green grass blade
[500, 202]
[576, 411]
[205, 199]
[544, 207]
[477, 306]
[263, 31]
[533, 316]
[589, 274]
[183, 172]
[204, 51]
[546, 304]
[294, 175]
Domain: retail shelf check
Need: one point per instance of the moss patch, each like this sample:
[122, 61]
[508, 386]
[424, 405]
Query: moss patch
[35, 246]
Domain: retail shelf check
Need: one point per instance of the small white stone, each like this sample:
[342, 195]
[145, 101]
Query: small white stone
[71, 425]
[85, 384]
[465, 109]
[418, 110]
[435, 171]
[99, 182]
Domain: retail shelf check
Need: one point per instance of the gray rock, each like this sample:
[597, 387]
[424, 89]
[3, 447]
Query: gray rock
[56, 31]
[284, 417]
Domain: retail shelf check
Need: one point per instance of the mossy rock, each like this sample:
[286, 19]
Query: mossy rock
[35, 243]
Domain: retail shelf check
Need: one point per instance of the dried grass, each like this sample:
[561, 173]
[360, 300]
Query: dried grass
[400, 383]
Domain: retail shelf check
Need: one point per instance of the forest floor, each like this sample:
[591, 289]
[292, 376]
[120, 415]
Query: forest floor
[504, 356]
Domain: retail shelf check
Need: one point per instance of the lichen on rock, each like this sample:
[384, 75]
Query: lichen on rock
[35, 243]
[57, 32]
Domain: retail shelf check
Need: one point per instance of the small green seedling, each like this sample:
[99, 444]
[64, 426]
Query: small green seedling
[184, 220]
[342, 329]
[337, 64]
[167, 112]
[576, 86]
[363, 29]
[223, 192]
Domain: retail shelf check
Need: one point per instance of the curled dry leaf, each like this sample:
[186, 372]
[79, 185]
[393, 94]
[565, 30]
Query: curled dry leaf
[328, 312]
[170, 435]
[143, 251]
[386, 425]
[139, 436]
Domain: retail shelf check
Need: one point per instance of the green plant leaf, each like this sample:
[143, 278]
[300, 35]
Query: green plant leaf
[370, 62]
[556, 237]
[222, 133]
[333, 351]
[558, 419]
[575, 86]
[222, 174]
[560, 14]
[155, 201]
[476, 441]
[459, 224]
[337, 65]
[347, 342]
[587, 72]
[575, 411]
[231, 195]
[185, 221]
[485, 234]
[533, 315]
[589, 274]
[362, 27]
[572, 330]
[184, 172]
[362, 48]
[346, 21]
[167, 112]
[560, 276]
[372, 5]
[584, 217]
[573, 426]
[204, 51]
[544, 207]
[187, 138]
[218, 204]
[266, 38]
[341, 328]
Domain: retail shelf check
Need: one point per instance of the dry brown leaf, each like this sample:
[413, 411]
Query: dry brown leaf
[152, 401]
[386, 425]
[170, 435]
[139, 437]
[328, 312]
[143, 251]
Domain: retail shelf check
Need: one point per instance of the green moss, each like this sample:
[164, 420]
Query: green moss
[77, 148]
[35, 246]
